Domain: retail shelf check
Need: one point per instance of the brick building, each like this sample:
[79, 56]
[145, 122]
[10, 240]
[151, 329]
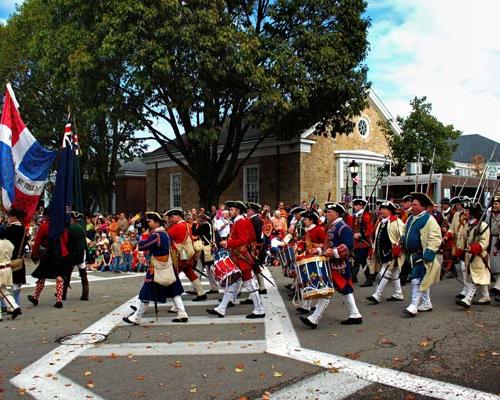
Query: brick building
[289, 171]
[130, 187]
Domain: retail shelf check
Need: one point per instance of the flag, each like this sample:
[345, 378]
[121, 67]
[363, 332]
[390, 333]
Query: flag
[77, 179]
[62, 197]
[24, 163]
[357, 179]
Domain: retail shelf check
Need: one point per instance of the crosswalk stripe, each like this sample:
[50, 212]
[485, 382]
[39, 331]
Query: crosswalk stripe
[178, 348]
[231, 319]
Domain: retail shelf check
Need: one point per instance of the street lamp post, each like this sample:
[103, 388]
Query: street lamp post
[354, 169]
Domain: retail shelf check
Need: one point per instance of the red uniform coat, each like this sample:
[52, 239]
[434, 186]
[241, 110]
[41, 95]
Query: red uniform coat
[178, 232]
[363, 225]
[242, 234]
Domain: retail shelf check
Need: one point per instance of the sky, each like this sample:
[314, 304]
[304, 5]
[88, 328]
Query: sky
[446, 50]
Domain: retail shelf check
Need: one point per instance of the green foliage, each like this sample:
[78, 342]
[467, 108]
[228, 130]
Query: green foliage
[422, 132]
[210, 69]
[54, 64]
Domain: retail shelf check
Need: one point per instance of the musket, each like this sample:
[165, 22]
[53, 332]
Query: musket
[379, 178]
[387, 185]
[463, 185]
[416, 176]
[430, 173]
[484, 171]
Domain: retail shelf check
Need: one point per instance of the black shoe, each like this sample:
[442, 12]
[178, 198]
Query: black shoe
[191, 292]
[200, 298]
[352, 321]
[184, 319]
[366, 284]
[494, 291]
[481, 303]
[212, 291]
[214, 312]
[246, 301]
[459, 296]
[307, 322]
[84, 298]
[392, 298]
[133, 308]
[58, 304]
[255, 316]
[263, 291]
[462, 304]
[290, 286]
[373, 299]
[409, 314]
[125, 319]
[16, 313]
[32, 300]
[302, 310]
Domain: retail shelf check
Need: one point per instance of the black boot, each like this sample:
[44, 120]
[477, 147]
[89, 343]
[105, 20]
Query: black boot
[85, 288]
[369, 281]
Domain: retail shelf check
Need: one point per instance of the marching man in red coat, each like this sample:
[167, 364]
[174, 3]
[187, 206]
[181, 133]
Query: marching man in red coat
[242, 235]
[363, 233]
[180, 233]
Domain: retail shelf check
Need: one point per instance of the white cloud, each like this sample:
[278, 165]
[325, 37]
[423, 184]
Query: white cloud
[447, 50]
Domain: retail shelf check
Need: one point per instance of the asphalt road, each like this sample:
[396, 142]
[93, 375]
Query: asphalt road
[210, 358]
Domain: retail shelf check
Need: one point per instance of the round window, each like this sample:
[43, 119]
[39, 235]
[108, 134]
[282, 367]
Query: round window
[363, 127]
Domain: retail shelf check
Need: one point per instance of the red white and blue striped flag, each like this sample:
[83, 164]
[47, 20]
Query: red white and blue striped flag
[24, 163]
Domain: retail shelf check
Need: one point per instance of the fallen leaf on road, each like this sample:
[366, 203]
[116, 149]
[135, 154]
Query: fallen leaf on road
[193, 390]
[333, 370]
[87, 373]
[481, 354]
[113, 355]
[424, 343]
[352, 356]
[177, 364]
[317, 362]
[90, 385]
[388, 343]
[277, 374]
[494, 353]
[21, 392]
[140, 377]
[410, 397]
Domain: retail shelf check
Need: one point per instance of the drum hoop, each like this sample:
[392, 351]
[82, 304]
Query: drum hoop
[311, 259]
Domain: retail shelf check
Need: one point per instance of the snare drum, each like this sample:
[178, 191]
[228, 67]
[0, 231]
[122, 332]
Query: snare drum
[225, 270]
[286, 255]
[314, 278]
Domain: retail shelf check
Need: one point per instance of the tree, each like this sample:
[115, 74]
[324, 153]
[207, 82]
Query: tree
[214, 69]
[422, 132]
[55, 65]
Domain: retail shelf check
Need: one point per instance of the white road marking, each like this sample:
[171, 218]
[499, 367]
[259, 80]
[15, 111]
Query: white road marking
[190, 303]
[324, 386]
[43, 375]
[178, 348]
[228, 319]
[31, 282]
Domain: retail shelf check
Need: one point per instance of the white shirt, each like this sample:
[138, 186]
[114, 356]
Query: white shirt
[221, 229]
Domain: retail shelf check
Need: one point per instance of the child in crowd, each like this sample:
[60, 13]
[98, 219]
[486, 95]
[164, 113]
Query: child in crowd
[126, 254]
[116, 254]
[106, 259]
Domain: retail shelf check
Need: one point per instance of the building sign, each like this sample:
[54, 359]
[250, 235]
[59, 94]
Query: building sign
[447, 192]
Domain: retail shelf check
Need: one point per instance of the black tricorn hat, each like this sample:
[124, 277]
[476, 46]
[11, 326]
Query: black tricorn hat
[312, 215]
[240, 205]
[445, 200]
[297, 209]
[336, 207]
[408, 197]
[361, 202]
[174, 211]
[254, 206]
[76, 215]
[154, 216]
[389, 205]
[476, 209]
[423, 199]
[454, 200]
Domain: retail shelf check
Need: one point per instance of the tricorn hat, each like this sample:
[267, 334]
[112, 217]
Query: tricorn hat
[455, 200]
[423, 199]
[312, 215]
[297, 209]
[475, 209]
[240, 205]
[154, 216]
[16, 212]
[336, 207]
[445, 200]
[408, 197]
[254, 206]
[76, 215]
[389, 205]
[360, 202]
[173, 211]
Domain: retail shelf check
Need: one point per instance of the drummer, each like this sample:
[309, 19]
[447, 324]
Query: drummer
[338, 245]
[312, 245]
[242, 235]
